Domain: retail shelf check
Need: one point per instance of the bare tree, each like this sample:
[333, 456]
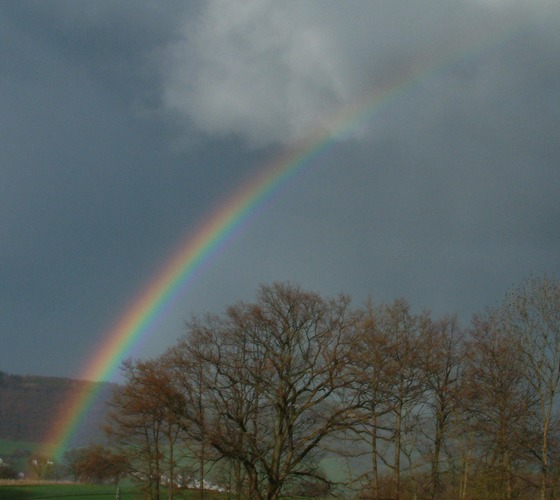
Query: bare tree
[497, 402]
[260, 393]
[41, 467]
[188, 369]
[97, 464]
[143, 427]
[274, 383]
[443, 361]
[531, 313]
[401, 329]
[371, 378]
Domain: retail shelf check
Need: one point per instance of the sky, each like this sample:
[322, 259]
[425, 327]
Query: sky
[125, 125]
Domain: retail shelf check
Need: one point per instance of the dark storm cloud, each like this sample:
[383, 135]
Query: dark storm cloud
[81, 191]
[125, 123]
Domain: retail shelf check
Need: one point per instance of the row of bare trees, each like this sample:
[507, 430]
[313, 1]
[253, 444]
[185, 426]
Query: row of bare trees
[261, 397]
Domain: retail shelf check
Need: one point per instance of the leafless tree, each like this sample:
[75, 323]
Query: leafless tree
[97, 464]
[190, 369]
[442, 365]
[274, 383]
[497, 403]
[261, 392]
[371, 377]
[142, 426]
[402, 331]
[531, 314]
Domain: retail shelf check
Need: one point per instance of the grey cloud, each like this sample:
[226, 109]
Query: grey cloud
[269, 72]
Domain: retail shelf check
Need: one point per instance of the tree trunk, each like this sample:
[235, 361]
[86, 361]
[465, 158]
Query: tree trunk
[202, 471]
[397, 460]
[435, 459]
[374, 464]
[544, 465]
[253, 484]
[466, 455]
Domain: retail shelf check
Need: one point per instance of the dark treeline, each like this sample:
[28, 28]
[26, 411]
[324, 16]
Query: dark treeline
[417, 406]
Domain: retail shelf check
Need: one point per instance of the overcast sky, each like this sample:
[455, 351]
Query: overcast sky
[123, 125]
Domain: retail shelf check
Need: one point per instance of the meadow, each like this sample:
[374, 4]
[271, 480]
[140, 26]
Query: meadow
[8, 447]
[37, 490]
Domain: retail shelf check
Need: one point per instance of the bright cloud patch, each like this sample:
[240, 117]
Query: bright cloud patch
[269, 71]
[255, 68]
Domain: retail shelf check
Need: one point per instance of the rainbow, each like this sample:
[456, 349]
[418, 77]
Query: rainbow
[181, 269]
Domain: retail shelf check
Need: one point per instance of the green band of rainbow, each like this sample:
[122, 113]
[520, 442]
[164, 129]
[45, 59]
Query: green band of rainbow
[178, 272]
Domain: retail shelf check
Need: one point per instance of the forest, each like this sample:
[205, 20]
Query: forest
[405, 405]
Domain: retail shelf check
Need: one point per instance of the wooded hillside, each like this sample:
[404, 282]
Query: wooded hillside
[30, 404]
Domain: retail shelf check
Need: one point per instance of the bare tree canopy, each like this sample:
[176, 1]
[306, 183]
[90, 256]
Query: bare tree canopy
[414, 406]
[274, 383]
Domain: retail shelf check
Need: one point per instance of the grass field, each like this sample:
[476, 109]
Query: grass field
[8, 447]
[21, 490]
[26, 489]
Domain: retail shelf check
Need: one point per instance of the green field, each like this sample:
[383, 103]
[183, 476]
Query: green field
[8, 447]
[17, 491]
[63, 491]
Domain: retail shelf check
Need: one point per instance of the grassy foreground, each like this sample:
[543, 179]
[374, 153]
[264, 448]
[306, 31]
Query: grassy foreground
[37, 490]
[17, 490]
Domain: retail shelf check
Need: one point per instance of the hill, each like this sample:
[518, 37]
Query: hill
[29, 406]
